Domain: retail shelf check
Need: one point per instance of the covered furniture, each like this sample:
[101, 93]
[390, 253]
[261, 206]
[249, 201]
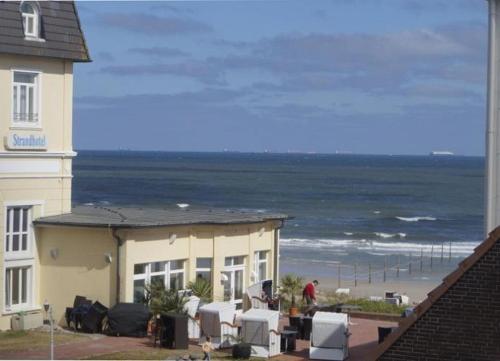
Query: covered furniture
[92, 320]
[191, 307]
[259, 328]
[329, 338]
[217, 321]
[128, 319]
[74, 315]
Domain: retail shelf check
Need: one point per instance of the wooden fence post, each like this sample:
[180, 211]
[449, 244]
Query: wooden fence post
[339, 275]
[356, 274]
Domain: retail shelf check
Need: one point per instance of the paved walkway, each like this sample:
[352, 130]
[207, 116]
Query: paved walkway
[363, 339]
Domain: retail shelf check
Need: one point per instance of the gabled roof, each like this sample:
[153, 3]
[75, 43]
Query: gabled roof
[60, 30]
[433, 296]
[128, 217]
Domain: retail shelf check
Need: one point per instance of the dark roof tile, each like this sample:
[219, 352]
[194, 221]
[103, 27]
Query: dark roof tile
[128, 217]
[60, 28]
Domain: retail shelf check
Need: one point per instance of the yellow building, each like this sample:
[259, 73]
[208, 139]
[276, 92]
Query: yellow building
[51, 252]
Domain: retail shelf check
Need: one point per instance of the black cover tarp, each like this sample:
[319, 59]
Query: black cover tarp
[92, 321]
[128, 319]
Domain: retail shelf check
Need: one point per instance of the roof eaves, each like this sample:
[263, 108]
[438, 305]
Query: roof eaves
[437, 293]
[88, 60]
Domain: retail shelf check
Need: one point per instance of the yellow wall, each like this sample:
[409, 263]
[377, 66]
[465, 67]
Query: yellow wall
[41, 177]
[80, 267]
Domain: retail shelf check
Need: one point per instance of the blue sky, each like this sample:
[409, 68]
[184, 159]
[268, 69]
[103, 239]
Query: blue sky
[364, 76]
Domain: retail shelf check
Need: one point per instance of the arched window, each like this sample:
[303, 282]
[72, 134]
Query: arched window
[31, 21]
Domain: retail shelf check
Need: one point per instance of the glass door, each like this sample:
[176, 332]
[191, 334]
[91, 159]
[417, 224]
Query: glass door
[234, 287]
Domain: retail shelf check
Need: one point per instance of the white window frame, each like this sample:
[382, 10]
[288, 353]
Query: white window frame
[28, 264]
[36, 21]
[37, 104]
[21, 254]
[21, 259]
[204, 269]
[167, 272]
[258, 262]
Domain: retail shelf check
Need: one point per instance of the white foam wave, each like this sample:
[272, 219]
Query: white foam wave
[458, 249]
[390, 235]
[348, 233]
[416, 219]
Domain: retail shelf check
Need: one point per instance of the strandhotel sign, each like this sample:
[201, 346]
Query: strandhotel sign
[15, 141]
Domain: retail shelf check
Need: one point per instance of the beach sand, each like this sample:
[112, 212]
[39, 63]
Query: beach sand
[416, 290]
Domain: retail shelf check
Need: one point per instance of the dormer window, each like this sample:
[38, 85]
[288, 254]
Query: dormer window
[31, 21]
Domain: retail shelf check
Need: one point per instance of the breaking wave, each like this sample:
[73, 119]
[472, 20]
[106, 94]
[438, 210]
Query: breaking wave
[458, 249]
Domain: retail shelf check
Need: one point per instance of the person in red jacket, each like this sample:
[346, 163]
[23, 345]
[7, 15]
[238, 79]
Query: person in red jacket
[309, 293]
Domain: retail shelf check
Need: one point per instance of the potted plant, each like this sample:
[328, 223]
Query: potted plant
[241, 350]
[291, 285]
[202, 289]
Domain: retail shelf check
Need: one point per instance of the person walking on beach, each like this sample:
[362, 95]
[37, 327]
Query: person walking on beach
[207, 347]
[309, 293]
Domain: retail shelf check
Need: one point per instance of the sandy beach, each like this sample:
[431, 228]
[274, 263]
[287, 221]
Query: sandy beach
[416, 290]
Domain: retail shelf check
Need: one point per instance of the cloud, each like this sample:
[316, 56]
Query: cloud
[216, 118]
[200, 71]
[159, 51]
[151, 24]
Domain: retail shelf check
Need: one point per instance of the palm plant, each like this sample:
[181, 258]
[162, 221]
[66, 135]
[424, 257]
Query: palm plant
[202, 289]
[161, 301]
[291, 285]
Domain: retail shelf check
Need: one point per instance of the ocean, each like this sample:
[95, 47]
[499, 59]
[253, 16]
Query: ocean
[371, 210]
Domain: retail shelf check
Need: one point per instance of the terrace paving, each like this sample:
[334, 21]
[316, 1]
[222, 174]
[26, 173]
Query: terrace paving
[361, 344]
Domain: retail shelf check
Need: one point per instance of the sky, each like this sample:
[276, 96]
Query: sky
[361, 76]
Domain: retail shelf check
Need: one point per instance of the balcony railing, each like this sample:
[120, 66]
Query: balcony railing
[26, 117]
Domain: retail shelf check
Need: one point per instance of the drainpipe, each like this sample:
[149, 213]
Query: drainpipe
[119, 243]
[277, 255]
[491, 179]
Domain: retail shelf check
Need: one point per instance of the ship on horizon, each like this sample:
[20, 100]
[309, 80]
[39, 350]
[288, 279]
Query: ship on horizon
[442, 152]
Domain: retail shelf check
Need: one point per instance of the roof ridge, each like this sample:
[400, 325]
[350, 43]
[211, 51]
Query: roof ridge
[434, 295]
[114, 211]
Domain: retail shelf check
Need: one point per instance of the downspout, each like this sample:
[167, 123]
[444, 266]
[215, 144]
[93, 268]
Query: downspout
[119, 243]
[491, 176]
[277, 255]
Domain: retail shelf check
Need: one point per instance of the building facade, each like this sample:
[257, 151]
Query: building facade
[51, 252]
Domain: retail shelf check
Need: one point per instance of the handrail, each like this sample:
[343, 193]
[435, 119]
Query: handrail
[260, 299]
[229, 324]
[275, 332]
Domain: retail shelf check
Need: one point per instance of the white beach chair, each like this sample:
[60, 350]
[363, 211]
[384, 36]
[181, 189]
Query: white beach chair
[191, 307]
[217, 321]
[259, 328]
[255, 299]
[329, 336]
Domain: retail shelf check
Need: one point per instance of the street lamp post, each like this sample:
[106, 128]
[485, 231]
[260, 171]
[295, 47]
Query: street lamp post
[48, 309]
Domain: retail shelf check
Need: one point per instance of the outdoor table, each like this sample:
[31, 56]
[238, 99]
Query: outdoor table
[307, 327]
[296, 321]
[288, 338]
